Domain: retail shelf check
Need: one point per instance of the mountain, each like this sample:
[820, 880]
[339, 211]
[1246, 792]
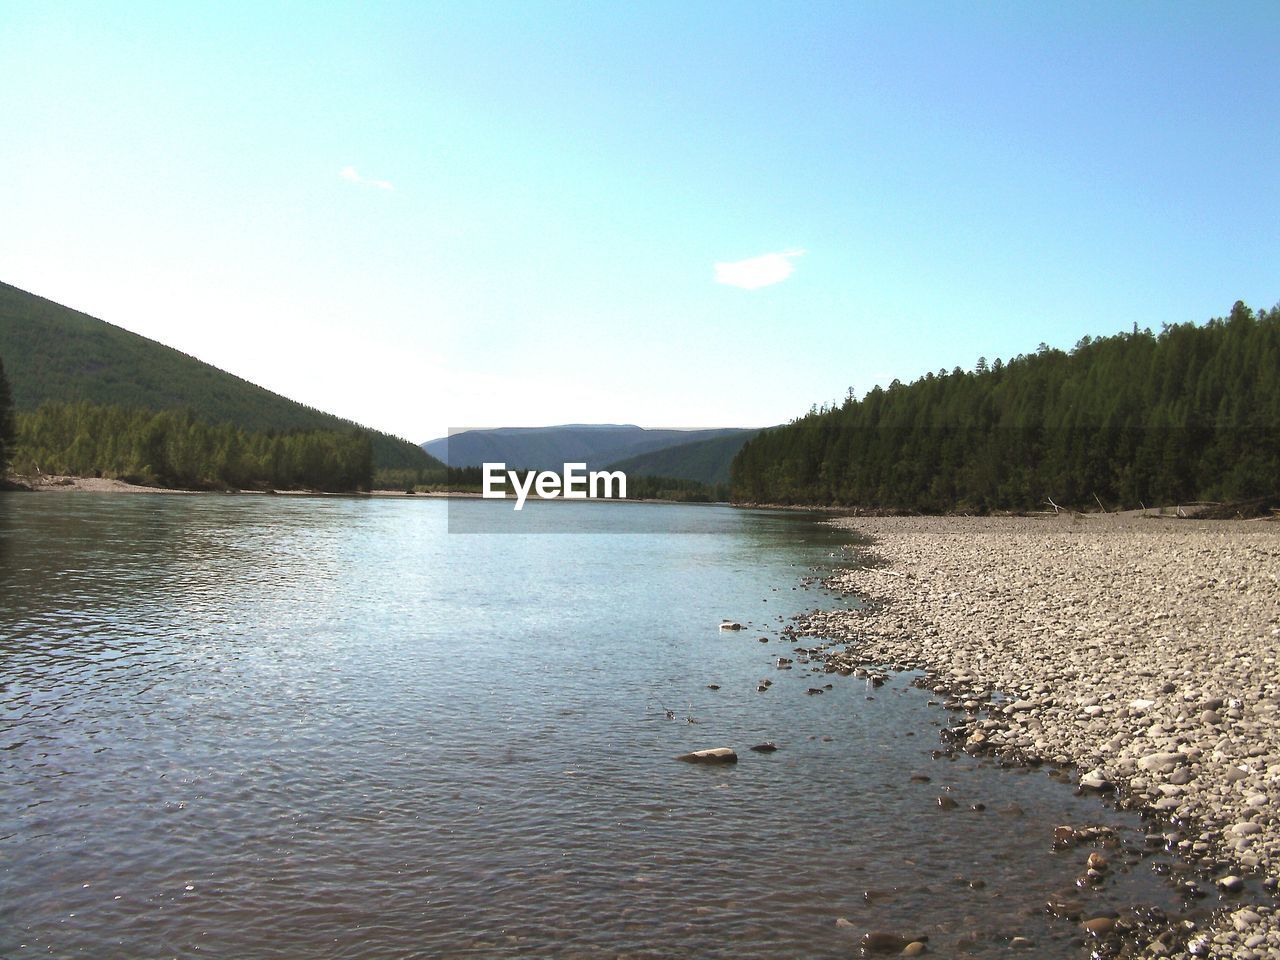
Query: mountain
[54, 353]
[550, 448]
[706, 461]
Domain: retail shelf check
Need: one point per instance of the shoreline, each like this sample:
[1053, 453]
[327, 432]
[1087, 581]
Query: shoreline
[68, 484]
[1145, 655]
[60, 483]
[57, 483]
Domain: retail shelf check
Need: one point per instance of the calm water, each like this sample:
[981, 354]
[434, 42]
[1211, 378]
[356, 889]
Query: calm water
[282, 727]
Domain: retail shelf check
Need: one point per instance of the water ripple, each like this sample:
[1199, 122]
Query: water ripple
[271, 727]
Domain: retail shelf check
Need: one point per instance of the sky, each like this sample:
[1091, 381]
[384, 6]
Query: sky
[426, 216]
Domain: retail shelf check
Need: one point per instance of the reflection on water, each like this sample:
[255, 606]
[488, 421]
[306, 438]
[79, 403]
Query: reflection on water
[281, 727]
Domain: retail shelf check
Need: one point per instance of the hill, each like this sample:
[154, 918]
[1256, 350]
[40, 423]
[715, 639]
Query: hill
[54, 353]
[706, 461]
[1137, 418]
[550, 448]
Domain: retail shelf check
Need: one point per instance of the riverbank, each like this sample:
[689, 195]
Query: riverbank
[50, 483]
[1144, 652]
[70, 484]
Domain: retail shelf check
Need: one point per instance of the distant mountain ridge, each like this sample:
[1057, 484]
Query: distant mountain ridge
[706, 461]
[54, 353]
[597, 445]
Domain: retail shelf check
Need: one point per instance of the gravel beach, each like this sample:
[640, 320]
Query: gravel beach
[1144, 651]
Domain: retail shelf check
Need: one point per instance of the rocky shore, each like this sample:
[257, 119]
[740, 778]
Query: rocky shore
[67, 484]
[1141, 651]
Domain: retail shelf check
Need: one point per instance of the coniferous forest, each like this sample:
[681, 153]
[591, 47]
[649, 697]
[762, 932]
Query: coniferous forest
[7, 426]
[1191, 413]
[173, 449]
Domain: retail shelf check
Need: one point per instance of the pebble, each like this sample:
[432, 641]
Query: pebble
[1099, 926]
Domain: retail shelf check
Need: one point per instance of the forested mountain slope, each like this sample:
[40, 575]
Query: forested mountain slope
[1137, 418]
[54, 353]
[705, 461]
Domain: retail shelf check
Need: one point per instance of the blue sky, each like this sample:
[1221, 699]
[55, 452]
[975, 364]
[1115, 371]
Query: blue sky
[430, 215]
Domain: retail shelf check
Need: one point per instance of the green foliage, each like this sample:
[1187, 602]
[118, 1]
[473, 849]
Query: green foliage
[1190, 414]
[58, 354]
[471, 479]
[675, 488]
[706, 461]
[441, 480]
[408, 479]
[8, 429]
[173, 449]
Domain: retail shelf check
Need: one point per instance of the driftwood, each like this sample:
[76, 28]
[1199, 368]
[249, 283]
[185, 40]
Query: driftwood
[1058, 510]
[887, 573]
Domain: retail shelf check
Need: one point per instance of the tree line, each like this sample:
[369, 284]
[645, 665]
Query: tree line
[1191, 413]
[174, 449]
[675, 488]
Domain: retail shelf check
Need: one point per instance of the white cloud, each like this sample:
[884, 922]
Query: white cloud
[352, 175]
[762, 271]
